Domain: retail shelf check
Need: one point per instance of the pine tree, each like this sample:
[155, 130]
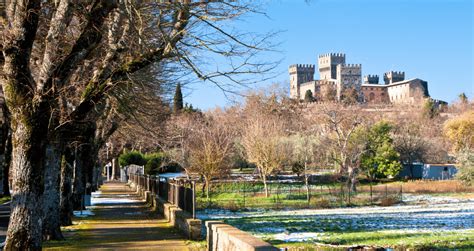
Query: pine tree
[178, 99]
[463, 98]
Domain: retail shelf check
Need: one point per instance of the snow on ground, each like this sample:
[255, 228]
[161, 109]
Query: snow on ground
[306, 224]
[97, 199]
[83, 213]
[426, 198]
[172, 175]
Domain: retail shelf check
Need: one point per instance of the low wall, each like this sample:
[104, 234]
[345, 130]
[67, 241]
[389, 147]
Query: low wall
[183, 221]
[221, 236]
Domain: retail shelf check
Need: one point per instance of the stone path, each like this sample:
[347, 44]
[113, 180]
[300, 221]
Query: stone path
[121, 221]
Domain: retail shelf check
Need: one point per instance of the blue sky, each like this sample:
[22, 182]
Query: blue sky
[428, 39]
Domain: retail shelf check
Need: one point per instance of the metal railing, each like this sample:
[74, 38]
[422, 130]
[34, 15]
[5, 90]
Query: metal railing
[179, 192]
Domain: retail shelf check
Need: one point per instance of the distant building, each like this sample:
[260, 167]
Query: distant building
[428, 171]
[439, 171]
[336, 75]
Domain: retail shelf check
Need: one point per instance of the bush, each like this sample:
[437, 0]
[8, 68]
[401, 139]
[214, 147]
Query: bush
[133, 157]
[389, 201]
[154, 163]
[466, 167]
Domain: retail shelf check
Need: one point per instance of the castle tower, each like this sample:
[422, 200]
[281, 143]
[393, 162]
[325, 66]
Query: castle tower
[348, 76]
[327, 64]
[393, 76]
[371, 79]
[299, 74]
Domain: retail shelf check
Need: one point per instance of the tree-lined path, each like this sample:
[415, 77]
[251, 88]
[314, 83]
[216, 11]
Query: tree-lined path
[121, 221]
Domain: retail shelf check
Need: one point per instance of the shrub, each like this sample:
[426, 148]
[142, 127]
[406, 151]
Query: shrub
[133, 157]
[466, 167]
[388, 201]
[321, 202]
[154, 163]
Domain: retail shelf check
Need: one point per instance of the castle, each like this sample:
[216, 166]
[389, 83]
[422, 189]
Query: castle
[338, 77]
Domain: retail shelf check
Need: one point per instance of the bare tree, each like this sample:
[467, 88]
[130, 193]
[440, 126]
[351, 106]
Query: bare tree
[342, 123]
[410, 145]
[210, 146]
[82, 50]
[262, 141]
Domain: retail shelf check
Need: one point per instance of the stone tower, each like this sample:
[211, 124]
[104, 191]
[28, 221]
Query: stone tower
[393, 76]
[348, 76]
[327, 64]
[299, 74]
[371, 79]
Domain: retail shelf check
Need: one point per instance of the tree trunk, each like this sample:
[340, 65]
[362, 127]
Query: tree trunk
[114, 169]
[28, 144]
[265, 187]
[7, 159]
[78, 181]
[89, 161]
[371, 190]
[306, 182]
[306, 178]
[208, 189]
[67, 169]
[51, 200]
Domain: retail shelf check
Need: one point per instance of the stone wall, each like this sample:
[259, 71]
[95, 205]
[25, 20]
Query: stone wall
[221, 236]
[375, 93]
[183, 221]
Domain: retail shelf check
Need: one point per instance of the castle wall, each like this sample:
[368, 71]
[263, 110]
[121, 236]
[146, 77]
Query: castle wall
[308, 86]
[410, 91]
[375, 93]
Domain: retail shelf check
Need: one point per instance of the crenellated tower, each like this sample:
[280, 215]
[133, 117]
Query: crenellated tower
[299, 74]
[371, 79]
[348, 76]
[393, 76]
[327, 64]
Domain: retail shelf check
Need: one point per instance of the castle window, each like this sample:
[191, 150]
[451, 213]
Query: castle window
[371, 96]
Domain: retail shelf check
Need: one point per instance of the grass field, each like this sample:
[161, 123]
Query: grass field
[250, 195]
[435, 214]
[5, 199]
[389, 239]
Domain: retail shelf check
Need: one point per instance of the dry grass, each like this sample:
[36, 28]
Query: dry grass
[427, 186]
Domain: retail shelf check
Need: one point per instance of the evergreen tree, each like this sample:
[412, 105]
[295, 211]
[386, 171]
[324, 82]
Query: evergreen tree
[463, 98]
[429, 109]
[178, 99]
[380, 158]
[308, 96]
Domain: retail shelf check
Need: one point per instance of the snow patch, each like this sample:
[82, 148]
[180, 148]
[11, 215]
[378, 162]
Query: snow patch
[297, 237]
[83, 213]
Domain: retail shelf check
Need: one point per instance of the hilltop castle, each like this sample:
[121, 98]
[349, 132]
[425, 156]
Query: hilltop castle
[337, 77]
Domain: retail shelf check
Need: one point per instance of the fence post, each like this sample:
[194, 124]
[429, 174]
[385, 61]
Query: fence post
[157, 185]
[401, 193]
[244, 194]
[194, 198]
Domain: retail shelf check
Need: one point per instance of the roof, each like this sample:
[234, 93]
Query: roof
[374, 85]
[404, 82]
[440, 164]
[392, 84]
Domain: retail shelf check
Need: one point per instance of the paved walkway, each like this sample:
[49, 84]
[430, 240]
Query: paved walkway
[121, 221]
